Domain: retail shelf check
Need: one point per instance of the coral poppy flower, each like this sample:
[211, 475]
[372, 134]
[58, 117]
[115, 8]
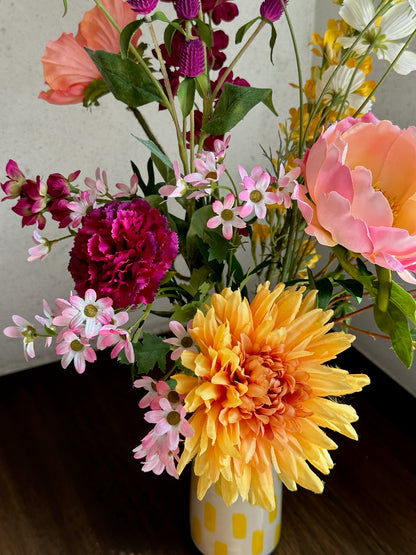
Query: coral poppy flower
[67, 68]
[361, 191]
[259, 392]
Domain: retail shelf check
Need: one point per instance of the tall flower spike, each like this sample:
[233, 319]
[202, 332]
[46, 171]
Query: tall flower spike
[272, 10]
[143, 7]
[187, 9]
[192, 58]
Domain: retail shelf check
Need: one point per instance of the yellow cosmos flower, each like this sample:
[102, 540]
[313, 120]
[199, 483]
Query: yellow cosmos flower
[259, 392]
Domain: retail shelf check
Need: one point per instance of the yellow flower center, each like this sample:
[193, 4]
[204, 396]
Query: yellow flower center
[256, 196]
[173, 398]
[227, 214]
[173, 418]
[90, 310]
[76, 345]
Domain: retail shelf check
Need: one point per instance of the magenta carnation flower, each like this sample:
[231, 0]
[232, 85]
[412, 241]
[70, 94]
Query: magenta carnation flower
[122, 251]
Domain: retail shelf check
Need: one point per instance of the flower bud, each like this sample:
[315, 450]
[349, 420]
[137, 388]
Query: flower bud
[187, 9]
[143, 7]
[192, 58]
[272, 10]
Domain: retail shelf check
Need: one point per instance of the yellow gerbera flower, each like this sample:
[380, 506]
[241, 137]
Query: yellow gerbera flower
[259, 392]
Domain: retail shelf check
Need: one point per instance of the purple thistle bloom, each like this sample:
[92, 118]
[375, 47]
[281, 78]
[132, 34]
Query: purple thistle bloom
[272, 10]
[192, 58]
[187, 9]
[143, 7]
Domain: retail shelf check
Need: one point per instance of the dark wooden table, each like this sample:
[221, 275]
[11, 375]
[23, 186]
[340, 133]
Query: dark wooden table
[69, 484]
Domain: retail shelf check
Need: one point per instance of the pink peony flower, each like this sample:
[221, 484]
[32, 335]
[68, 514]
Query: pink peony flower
[67, 68]
[360, 191]
[122, 251]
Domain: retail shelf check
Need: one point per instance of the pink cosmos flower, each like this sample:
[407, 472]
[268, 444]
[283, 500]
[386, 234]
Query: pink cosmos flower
[170, 422]
[122, 251]
[360, 191]
[77, 349]
[41, 250]
[68, 70]
[182, 339]
[256, 194]
[227, 216]
[24, 329]
[99, 184]
[177, 190]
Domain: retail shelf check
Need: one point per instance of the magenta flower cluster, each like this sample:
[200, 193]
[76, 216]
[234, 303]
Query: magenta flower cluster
[123, 250]
[143, 7]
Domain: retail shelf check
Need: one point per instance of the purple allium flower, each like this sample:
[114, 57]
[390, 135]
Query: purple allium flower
[122, 251]
[143, 7]
[187, 9]
[272, 10]
[192, 58]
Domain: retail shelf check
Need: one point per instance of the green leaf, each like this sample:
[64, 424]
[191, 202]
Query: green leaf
[186, 96]
[170, 30]
[95, 90]
[160, 16]
[198, 228]
[243, 30]
[154, 149]
[128, 81]
[202, 84]
[403, 301]
[65, 6]
[150, 352]
[325, 289]
[395, 324]
[127, 34]
[234, 103]
[204, 32]
[273, 37]
[353, 287]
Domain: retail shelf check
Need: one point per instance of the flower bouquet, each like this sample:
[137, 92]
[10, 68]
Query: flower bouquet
[250, 270]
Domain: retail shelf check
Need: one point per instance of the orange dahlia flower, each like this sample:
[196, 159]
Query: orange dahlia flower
[259, 392]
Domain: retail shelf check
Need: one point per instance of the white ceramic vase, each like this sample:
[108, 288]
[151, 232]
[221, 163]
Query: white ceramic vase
[241, 529]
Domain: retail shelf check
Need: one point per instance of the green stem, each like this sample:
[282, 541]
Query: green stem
[140, 323]
[181, 145]
[145, 126]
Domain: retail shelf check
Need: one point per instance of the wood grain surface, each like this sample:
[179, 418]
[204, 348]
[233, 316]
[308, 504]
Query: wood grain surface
[69, 484]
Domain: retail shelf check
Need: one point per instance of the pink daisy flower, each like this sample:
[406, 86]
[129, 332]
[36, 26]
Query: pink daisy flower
[286, 184]
[24, 329]
[255, 194]
[170, 422]
[47, 322]
[158, 455]
[77, 349]
[182, 339]
[100, 184]
[128, 190]
[42, 249]
[81, 205]
[177, 190]
[207, 171]
[227, 216]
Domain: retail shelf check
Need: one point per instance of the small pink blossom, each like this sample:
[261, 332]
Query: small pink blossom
[80, 206]
[113, 335]
[173, 191]
[24, 329]
[42, 249]
[158, 455]
[227, 216]
[170, 422]
[77, 349]
[286, 185]
[207, 171]
[155, 392]
[128, 190]
[99, 184]
[47, 322]
[88, 314]
[255, 194]
[13, 185]
[182, 339]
